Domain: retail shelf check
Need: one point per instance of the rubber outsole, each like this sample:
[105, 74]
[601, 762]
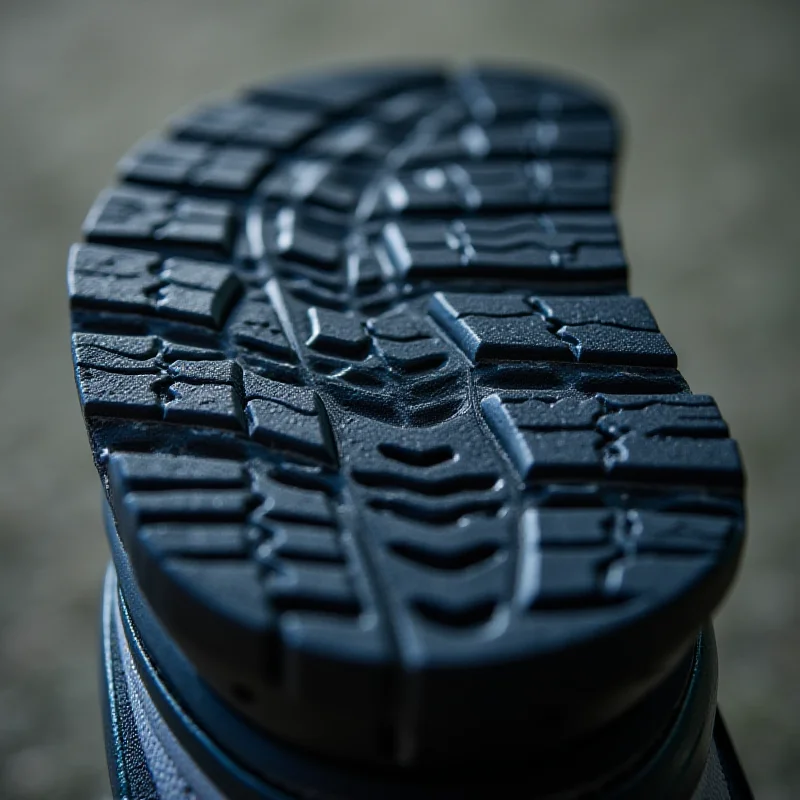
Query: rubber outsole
[381, 428]
[147, 725]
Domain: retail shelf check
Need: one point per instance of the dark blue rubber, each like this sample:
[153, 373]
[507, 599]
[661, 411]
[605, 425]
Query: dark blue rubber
[401, 480]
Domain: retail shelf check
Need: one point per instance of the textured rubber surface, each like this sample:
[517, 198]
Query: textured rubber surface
[380, 426]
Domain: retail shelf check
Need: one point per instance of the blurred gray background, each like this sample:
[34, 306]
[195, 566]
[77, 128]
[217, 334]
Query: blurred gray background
[709, 207]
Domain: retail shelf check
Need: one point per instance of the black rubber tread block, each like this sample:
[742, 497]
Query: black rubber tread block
[521, 248]
[322, 182]
[195, 166]
[498, 186]
[381, 430]
[134, 216]
[141, 282]
[452, 189]
[680, 439]
[337, 333]
[540, 138]
[246, 124]
[609, 330]
[304, 242]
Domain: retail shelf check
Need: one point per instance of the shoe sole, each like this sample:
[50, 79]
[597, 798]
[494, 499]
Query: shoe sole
[380, 426]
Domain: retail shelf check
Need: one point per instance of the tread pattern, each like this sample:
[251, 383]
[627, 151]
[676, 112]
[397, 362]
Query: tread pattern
[373, 406]
[136, 282]
[609, 330]
[196, 166]
[676, 439]
[521, 248]
[144, 217]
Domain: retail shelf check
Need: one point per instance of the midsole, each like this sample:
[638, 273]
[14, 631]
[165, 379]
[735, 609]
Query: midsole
[206, 768]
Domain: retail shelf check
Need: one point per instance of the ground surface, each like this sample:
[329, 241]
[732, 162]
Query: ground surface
[708, 209]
